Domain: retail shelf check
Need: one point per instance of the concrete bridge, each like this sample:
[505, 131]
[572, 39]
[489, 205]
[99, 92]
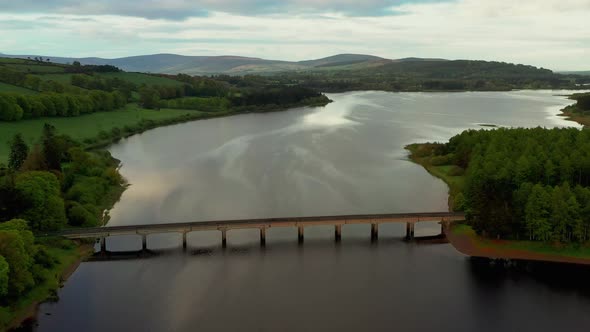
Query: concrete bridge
[445, 218]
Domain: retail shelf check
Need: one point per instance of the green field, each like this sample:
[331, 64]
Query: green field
[36, 68]
[11, 60]
[4, 87]
[139, 78]
[81, 127]
[60, 78]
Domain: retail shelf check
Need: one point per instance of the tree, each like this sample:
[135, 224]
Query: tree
[149, 98]
[18, 152]
[13, 249]
[51, 149]
[35, 160]
[41, 194]
[537, 214]
[4, 271]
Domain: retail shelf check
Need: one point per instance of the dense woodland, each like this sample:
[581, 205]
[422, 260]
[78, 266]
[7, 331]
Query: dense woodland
[46, 187]
[523, 183]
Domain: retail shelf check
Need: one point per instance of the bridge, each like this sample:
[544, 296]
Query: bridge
[445, 218]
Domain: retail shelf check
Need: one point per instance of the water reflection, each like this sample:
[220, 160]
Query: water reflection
[345, 159]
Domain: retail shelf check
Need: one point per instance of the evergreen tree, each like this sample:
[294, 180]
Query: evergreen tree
[18, 152]
[51, 149]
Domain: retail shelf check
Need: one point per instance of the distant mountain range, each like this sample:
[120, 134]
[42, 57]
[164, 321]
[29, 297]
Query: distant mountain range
[236, 65]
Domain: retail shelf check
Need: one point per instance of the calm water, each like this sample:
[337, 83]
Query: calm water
[346, 158]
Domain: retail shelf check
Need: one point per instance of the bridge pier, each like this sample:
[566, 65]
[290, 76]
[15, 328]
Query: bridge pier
[103, 245]
[374, 232]
[410, 231]
[184, 240]
[300, 234]
[144, 242]
[338, 232]
[444, 226]
[224, 238]
[263, 236]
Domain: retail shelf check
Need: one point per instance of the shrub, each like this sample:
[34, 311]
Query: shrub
[456, 171]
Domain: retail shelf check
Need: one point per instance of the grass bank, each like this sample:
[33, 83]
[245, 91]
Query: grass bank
[83, 127]
[574, 114]
[422, 154]
[467, 241]
[67, 255]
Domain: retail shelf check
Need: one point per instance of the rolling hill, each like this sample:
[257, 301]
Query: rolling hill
[235, 65]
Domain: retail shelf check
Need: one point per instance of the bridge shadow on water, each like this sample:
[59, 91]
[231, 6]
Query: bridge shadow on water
[256, 248]
[560, 277]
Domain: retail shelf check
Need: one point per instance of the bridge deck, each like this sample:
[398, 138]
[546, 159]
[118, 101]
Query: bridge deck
[257, 223]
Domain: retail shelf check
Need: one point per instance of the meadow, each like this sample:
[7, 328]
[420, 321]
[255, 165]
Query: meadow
[82, 127]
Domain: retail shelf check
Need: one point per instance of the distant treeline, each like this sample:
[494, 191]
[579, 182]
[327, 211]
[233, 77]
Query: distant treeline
[524, 183]
[430, 75]
[76, 67]
[274, 96]
[14, 107]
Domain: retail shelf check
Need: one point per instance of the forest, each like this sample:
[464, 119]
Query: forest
[46, 187]
[527, 184]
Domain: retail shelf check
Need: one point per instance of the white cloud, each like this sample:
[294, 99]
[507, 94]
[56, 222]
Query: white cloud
[549, 33]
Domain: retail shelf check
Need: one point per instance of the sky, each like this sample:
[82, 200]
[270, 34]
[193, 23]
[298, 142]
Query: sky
[553, 34]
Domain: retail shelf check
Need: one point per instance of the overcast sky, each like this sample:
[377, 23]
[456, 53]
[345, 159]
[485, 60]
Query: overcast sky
[553, 34]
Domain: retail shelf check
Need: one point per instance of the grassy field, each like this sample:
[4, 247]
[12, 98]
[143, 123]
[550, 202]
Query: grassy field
[11, 60]
[60, 78]
[36, 68]
[455, 183]
[85, 126]
[577, 250]
[15, 89]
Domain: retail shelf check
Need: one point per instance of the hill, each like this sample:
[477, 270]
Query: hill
[234, 65]
[582, 72]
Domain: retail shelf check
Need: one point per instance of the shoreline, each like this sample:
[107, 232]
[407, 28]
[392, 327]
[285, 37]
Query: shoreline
[470, 244]
[29, 311]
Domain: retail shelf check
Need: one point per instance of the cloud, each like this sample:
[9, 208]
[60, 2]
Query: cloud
[550, 33]
[183, 9]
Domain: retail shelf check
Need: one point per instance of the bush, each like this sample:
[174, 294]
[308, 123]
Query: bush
[456, 171]
[79, 216]
[441, 160]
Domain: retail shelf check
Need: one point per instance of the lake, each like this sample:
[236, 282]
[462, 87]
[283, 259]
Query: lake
[345, 158]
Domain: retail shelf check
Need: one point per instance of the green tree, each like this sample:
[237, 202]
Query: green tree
[20, 262]
[18, 152]
[41, 192]
[149, 98]
[4, 272]
[537, 214]
[51, 148]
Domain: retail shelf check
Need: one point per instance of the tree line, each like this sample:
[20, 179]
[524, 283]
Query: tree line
[14, 107]
[524, 183]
